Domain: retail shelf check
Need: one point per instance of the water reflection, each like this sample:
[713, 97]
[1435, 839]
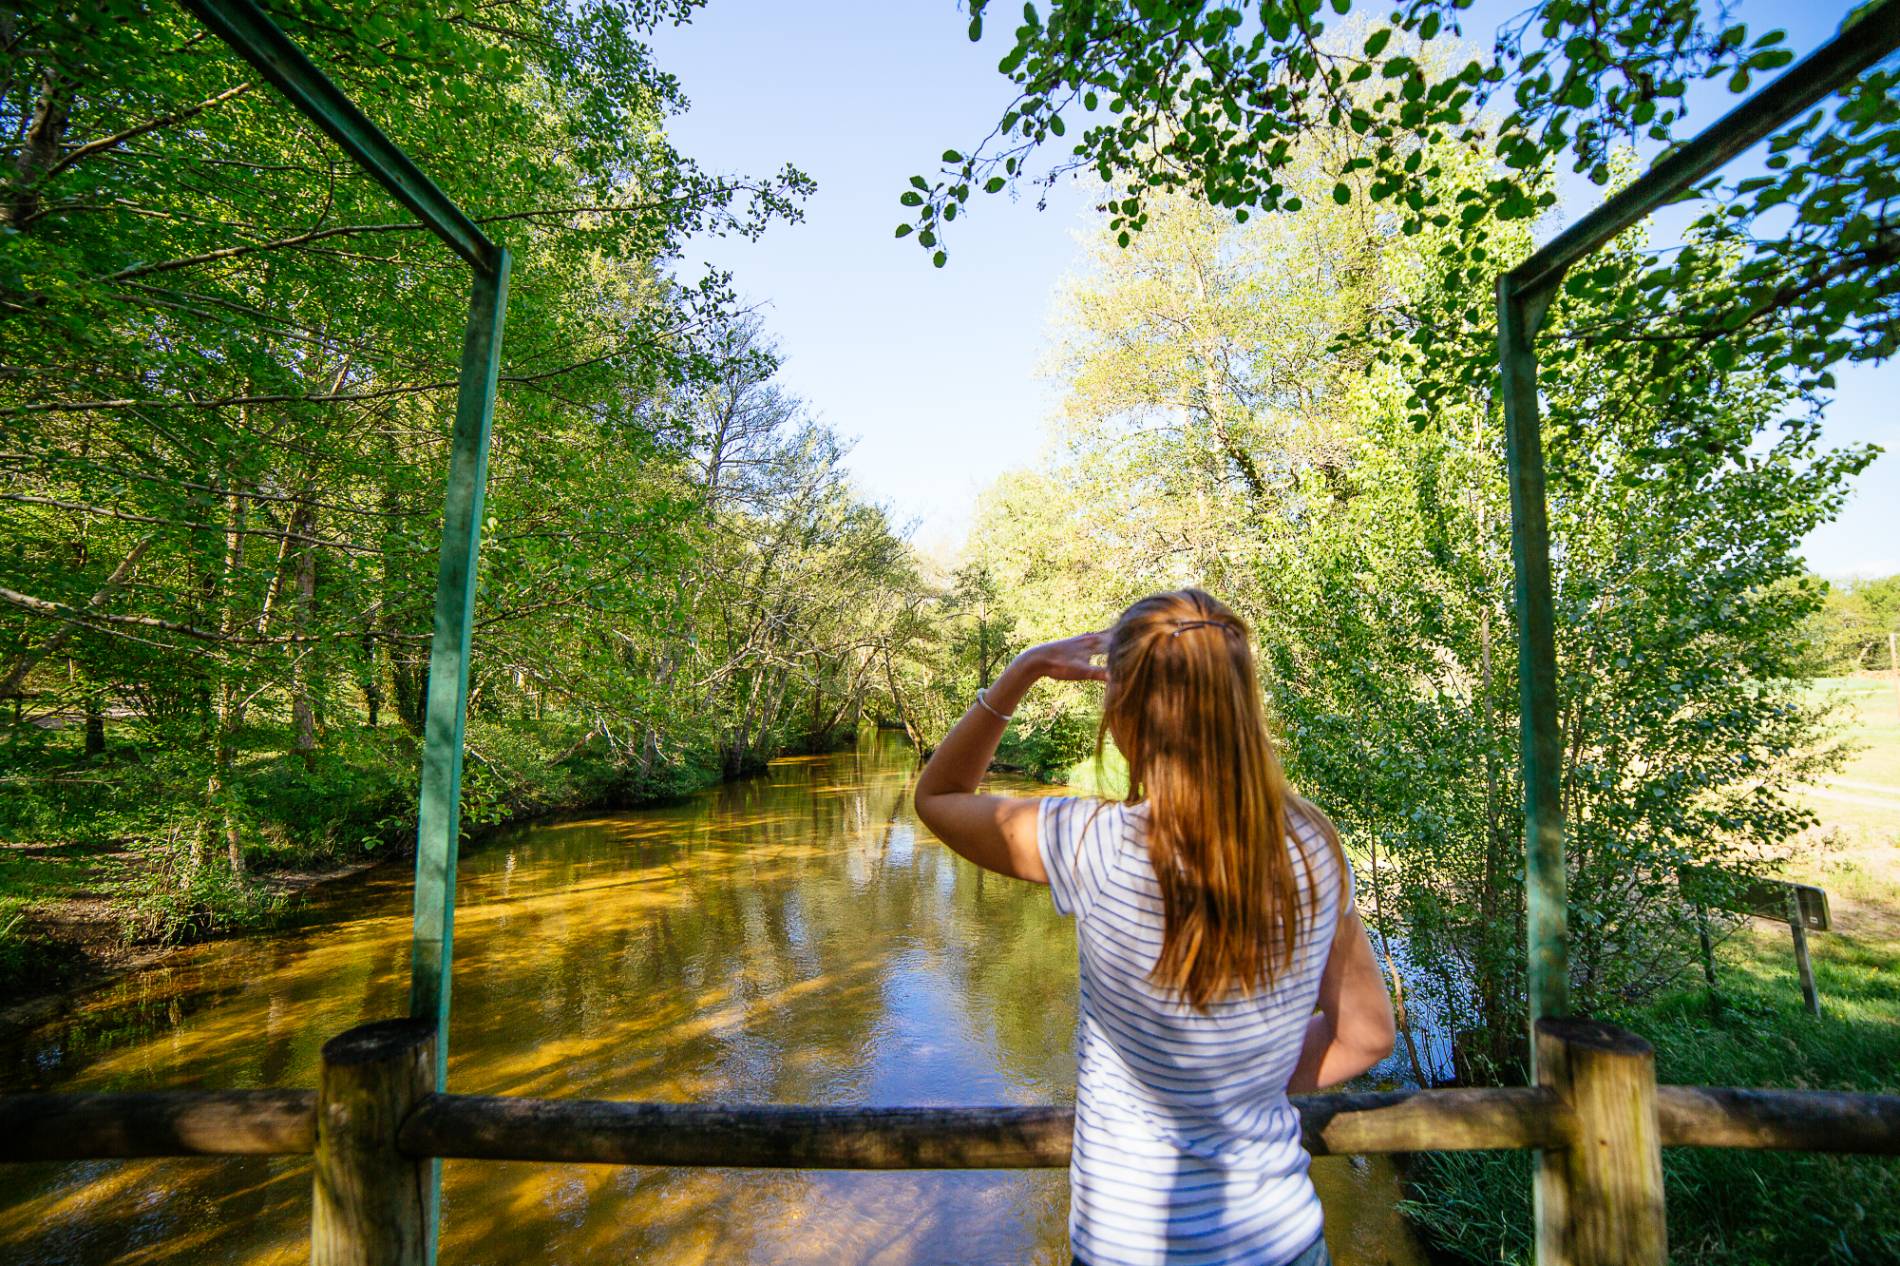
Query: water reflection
[787, 939]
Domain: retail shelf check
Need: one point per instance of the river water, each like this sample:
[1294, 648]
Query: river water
[791, 938]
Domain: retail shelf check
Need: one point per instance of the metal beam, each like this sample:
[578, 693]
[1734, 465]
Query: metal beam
[1807, 82]
[1541, 748]
[254, 37]
[438, 818]
[1540, 745]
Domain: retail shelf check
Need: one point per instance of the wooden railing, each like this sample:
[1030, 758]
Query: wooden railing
[1598, 1121]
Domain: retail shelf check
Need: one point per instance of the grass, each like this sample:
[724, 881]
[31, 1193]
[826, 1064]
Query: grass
[1731, 1208]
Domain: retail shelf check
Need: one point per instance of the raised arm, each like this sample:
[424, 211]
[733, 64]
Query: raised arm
[997, 832]
[1353, 1029]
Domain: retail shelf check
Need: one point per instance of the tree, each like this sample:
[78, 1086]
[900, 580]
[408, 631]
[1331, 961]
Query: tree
[1211, 101]
[230, 369]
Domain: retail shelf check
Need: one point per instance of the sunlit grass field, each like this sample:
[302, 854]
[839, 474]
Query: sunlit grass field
[1730, 1208]
[1767, 1207]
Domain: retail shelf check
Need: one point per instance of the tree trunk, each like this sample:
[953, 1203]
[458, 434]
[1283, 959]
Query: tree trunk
[371, 680]
[95, 725]
[303, 715]
[231, 704]
[41, 146]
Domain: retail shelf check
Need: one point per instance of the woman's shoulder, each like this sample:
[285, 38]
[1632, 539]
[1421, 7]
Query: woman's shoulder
[1308, 823]
[1079, 816]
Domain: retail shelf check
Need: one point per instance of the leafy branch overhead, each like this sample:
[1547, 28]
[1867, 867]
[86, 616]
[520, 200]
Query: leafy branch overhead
[1211, 100]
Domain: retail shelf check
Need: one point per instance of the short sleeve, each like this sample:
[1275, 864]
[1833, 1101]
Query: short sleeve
[1059, 826]
[1331, 869]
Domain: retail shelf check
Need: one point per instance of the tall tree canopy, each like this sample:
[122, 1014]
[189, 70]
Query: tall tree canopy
[229, 369]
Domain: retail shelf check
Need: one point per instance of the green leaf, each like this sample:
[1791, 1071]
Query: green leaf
[939, 259]
[1376, 42]
[976, 28]
[903, 230]
[912, 198]
[1342, 193]
[951, 156]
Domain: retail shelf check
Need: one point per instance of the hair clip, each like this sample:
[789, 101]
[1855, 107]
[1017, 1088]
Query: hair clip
[1182, 626]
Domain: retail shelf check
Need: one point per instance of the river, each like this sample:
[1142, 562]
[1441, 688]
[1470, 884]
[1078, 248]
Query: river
[791, 938]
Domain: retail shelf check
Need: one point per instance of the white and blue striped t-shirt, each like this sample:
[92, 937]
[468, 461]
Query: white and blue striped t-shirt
[1186, 1149]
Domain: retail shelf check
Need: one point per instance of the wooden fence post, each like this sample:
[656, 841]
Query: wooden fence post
[1599, 1201]
[1803, 964]
[370, 1203]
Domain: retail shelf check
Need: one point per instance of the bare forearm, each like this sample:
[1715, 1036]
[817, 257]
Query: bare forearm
[964, 756]
[997, 832]
[1326, 1061]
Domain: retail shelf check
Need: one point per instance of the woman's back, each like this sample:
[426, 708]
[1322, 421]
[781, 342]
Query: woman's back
[1186, 1147]
[1221, 958]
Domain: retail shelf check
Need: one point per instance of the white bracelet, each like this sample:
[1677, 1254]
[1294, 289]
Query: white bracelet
[982, 701]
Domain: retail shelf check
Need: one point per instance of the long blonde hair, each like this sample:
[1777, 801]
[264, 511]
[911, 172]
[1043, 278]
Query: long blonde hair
[1184, 706]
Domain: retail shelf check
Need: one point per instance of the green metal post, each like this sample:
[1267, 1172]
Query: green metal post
[438, 826]
[1546, 911]
[1541, 749]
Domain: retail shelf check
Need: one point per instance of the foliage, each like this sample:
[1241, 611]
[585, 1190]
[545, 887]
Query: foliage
[1214, 101]
[1849, 633]
[230, 360]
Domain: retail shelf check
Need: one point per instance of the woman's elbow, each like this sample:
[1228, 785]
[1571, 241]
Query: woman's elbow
[1376, 1035]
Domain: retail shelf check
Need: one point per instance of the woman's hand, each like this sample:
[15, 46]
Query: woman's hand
[1071, 658]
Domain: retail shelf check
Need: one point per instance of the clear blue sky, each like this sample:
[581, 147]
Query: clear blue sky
[933, 372]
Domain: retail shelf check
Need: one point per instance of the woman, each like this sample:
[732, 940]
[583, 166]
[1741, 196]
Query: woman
[1223, 963]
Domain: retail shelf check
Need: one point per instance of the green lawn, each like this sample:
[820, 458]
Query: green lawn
[1731, 1208]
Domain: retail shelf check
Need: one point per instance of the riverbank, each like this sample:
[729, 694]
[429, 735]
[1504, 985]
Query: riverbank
[97, 867]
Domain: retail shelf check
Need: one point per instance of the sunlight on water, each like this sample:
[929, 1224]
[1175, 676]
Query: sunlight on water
[788, 939]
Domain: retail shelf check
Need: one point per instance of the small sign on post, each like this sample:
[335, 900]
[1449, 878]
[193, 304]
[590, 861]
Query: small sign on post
[1803, 907]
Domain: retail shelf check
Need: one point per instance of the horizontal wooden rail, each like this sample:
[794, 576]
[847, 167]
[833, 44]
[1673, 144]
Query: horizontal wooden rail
[39, 1127]
[1778, 1120]
[158, 1123]
[605, 1132]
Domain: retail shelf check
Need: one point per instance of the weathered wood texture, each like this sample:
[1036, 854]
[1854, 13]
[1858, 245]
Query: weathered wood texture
[761, 1136]
[282, 1122]
[370, 1201]
[157, 1123]
[1778, 1120]
[770, 1136]
[1803, 964]
[1431, 1121]
[1599, 1201]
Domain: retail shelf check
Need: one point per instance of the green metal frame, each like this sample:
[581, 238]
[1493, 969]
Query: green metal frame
[1523, 296]
[254, 37]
